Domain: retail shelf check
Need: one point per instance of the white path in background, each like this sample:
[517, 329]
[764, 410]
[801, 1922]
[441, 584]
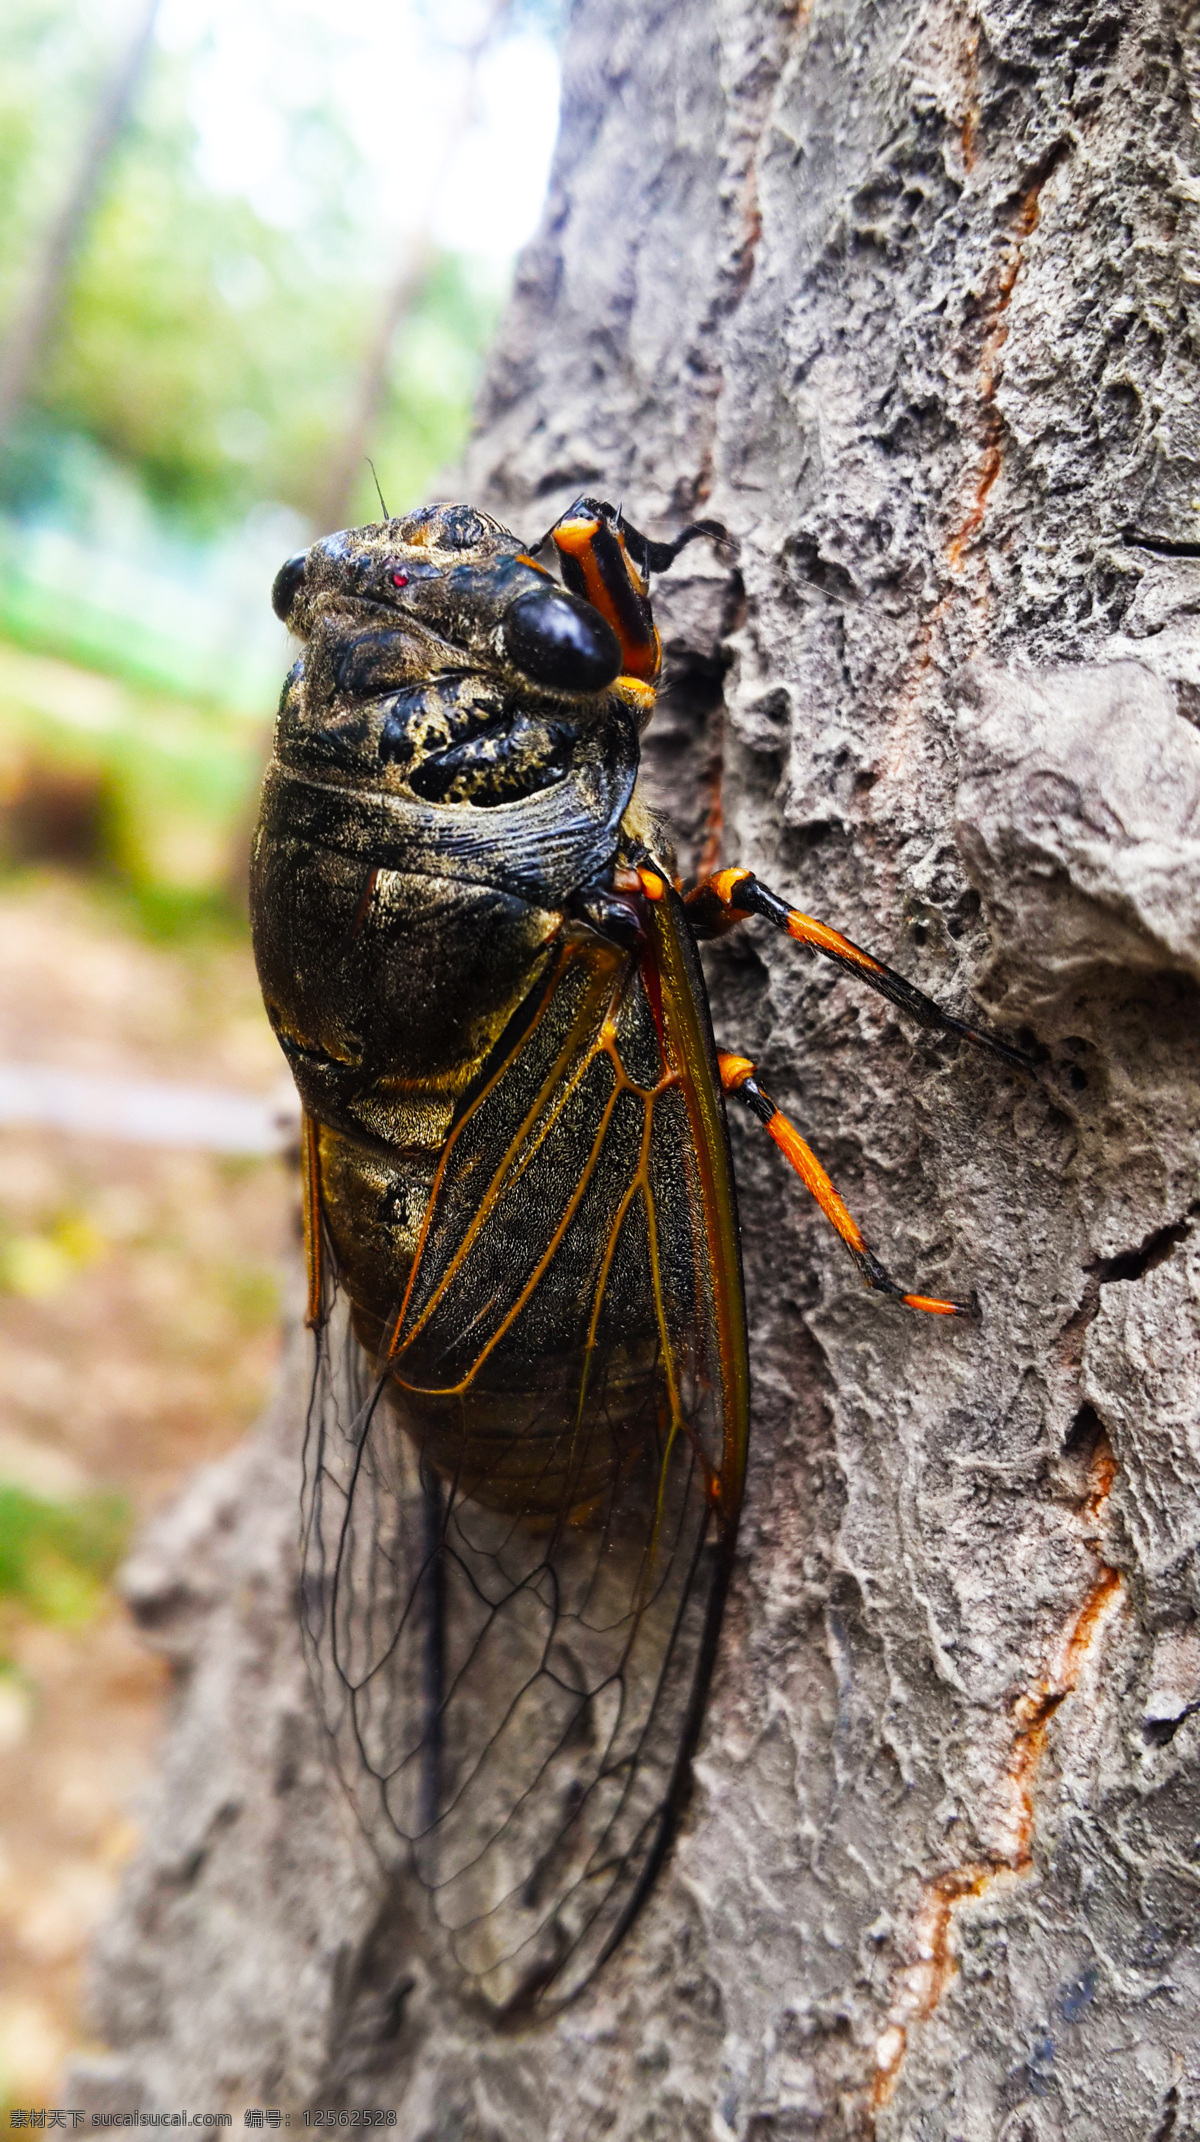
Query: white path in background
[145, 1112]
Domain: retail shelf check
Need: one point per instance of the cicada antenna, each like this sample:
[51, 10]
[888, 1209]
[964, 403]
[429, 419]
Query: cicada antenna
[379, 488]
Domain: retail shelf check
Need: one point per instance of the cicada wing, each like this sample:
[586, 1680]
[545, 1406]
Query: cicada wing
[519, 1534]
[369, 1542]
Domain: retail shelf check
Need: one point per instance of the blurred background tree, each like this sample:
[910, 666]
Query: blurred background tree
[278, 241]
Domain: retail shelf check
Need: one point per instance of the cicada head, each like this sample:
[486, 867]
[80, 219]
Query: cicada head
[444, 661]
[458, 586]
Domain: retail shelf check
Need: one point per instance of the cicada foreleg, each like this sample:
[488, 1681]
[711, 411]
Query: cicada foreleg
[738, 1077]
[721, 902]
[608, 562]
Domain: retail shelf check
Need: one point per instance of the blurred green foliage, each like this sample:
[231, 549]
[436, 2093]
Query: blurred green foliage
[214, 352]
[57, 1557]
[157, 794]
[181, 433]
[37, 1263]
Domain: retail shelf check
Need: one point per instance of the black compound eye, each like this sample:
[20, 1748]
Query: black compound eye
[287, 583]
[561, 642]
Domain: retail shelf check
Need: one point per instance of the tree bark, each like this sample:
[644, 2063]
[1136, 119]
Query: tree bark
[907, 294]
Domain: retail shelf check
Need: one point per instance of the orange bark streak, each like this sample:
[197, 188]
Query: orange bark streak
[924, 1981]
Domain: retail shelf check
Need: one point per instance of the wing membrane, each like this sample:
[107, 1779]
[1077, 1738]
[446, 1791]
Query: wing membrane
[518, 1526]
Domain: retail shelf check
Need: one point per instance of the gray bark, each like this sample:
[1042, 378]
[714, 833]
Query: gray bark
[908, 295]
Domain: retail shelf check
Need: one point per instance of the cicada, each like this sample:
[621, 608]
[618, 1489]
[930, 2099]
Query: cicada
[526, 1441]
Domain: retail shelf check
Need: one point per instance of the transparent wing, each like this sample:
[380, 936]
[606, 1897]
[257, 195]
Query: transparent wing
[518, 1530]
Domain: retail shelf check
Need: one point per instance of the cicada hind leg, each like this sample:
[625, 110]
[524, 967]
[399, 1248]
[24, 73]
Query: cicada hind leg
[739, 1077]
[731, 897]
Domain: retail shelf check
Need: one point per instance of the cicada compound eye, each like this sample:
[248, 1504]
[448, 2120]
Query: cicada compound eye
[561, 642]
[287, 585]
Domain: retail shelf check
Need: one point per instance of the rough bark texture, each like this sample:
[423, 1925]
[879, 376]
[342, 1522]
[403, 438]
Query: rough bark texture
[908, 295]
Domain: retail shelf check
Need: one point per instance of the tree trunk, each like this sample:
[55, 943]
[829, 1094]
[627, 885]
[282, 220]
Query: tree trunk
[907, 296]
[32, 330]
[405, 288]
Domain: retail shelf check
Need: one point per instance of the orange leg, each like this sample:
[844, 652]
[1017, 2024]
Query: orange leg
[738, 1076]
[720, 902]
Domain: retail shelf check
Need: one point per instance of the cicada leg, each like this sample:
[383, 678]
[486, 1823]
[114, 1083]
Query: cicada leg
[738, 1077]
[719, 903]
